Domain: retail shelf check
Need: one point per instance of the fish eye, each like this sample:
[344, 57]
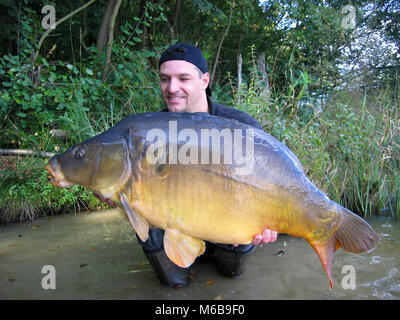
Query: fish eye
[80, 153]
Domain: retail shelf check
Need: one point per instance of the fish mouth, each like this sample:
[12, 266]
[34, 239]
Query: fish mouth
[57, 178]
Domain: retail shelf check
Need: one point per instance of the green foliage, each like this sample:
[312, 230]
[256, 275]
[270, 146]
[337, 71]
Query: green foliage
[71, 97]
[36, 98]
[364, 135]
[26, 194]
[347, 144]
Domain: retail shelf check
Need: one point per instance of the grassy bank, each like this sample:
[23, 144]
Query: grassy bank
[25, 193]
[348, 142]
[349, 147]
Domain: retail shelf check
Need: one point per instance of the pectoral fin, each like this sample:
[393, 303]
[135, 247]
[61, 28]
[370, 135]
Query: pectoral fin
[138, 223]
[181, 248]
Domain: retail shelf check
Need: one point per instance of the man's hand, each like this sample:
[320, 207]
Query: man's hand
[107, 200]
[266, 237]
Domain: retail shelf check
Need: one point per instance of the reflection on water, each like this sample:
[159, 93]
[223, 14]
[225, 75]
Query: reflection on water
[96, 256]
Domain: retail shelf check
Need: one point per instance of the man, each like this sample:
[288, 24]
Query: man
[184, 83]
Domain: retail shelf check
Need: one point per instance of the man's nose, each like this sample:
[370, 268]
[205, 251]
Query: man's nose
[173, 86]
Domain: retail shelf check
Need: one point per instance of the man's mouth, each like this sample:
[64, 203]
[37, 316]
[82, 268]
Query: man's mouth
[175, 98]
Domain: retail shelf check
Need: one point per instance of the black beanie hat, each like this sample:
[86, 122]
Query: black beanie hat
[186, 52]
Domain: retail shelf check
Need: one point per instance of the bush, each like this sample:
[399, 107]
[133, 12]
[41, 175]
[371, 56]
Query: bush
[26, 194]
[44, 95]
[348, 146]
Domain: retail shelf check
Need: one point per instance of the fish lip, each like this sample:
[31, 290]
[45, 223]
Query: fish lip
[50, 170]
[57, 179]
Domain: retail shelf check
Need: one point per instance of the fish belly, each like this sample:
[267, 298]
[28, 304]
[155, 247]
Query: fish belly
[216, 208]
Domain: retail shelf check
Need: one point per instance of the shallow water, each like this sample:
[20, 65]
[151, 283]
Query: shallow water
[96, 256]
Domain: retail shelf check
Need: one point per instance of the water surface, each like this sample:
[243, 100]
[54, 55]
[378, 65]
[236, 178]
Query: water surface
[96, 256]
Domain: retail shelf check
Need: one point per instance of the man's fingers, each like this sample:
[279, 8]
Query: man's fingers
[257, 239]
[274, 236]
[266, 236]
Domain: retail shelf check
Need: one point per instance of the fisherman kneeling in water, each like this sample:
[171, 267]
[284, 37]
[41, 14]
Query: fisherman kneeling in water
[184, 82]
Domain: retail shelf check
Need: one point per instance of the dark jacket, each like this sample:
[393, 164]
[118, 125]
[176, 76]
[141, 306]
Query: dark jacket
[220, 110]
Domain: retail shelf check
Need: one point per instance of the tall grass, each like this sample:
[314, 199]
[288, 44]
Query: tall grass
[348, 145]
[73, 100]
[25, 193]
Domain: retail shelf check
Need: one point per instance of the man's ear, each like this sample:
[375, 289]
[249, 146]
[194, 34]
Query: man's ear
[205, 78]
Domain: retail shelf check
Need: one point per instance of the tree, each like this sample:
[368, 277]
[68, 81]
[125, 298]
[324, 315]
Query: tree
[110, 17]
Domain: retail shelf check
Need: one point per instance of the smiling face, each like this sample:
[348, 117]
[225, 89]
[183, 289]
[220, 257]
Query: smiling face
[183, 87]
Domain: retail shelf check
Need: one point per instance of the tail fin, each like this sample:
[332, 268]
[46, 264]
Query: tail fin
[353, 235]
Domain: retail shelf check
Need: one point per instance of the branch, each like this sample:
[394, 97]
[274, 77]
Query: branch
[107, 67]
[222, 40]
[44, 36]
[27, 152]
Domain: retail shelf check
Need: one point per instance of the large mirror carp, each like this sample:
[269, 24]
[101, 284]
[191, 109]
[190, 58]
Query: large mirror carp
[201, 177]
